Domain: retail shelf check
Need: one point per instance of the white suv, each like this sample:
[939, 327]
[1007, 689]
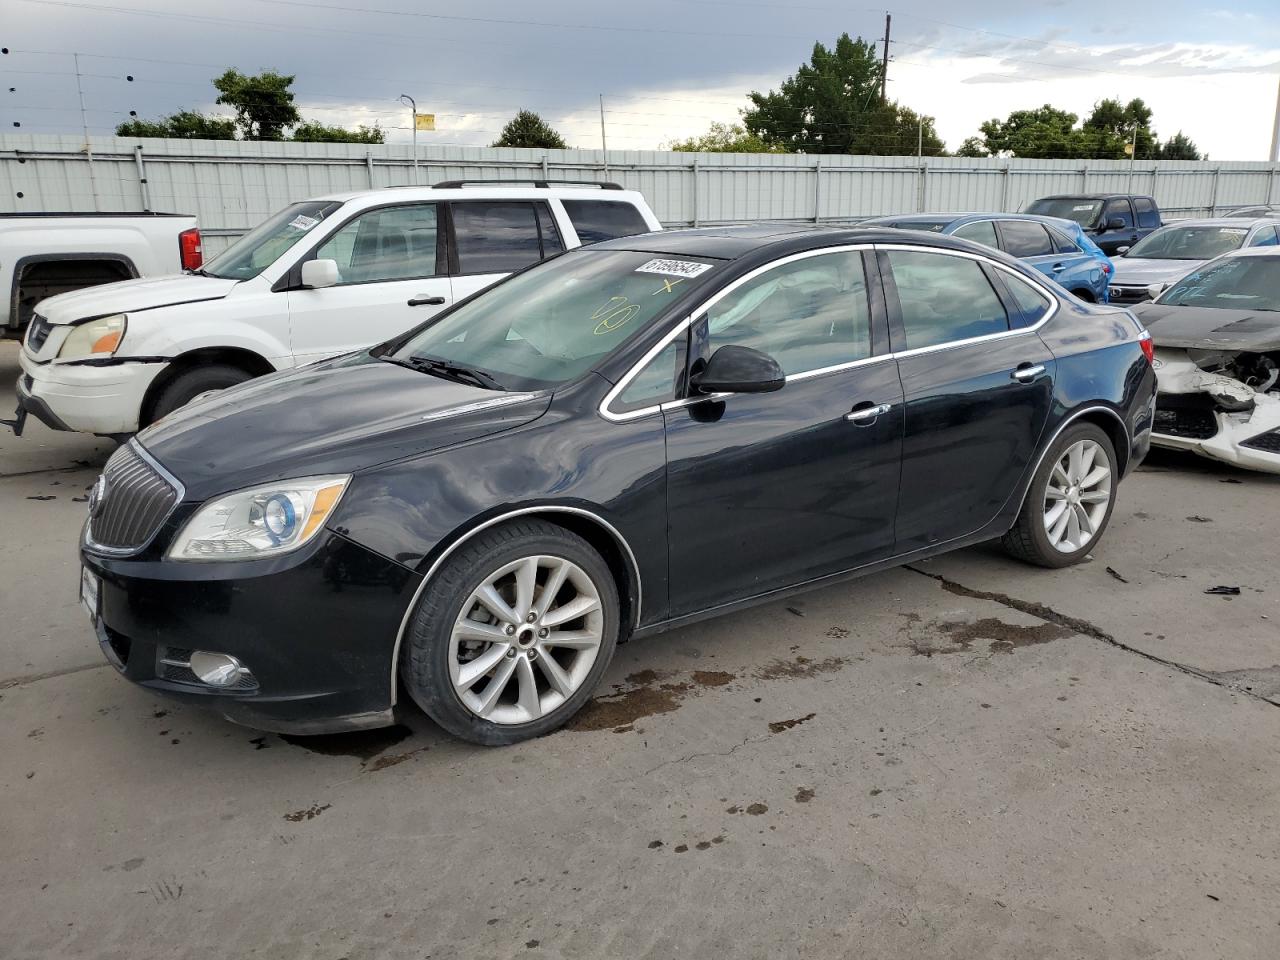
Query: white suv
[318, 279]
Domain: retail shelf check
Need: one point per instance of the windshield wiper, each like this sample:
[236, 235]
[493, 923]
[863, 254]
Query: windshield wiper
[449, 371]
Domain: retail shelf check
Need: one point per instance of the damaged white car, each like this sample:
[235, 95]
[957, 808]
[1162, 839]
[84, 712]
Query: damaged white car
[1217, 337]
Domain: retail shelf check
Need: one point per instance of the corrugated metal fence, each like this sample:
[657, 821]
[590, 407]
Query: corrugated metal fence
[232, 185]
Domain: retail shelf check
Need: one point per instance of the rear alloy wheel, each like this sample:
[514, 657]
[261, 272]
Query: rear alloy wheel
[1070, 500]
[513, 634]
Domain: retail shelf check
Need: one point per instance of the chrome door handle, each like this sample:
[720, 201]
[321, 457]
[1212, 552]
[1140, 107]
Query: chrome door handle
[1027, 374]
[867, 414]
[1059, 267]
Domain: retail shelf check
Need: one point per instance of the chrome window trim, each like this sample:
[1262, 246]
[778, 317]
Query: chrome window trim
[439, 561]
[684, 325]
[94, 547]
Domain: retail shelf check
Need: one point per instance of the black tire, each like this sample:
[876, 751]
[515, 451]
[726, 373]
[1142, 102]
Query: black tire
[427, 645]
[1028, 540]
[189, 384]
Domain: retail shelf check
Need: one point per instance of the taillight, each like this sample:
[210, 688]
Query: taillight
[189, 252]
[1148, 347]
[1106, 269]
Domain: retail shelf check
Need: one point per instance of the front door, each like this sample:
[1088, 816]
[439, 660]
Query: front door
[977, 392]
[769, 490]
[392, 277]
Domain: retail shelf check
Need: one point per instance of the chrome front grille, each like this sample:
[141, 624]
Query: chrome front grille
[38, 333]
[130, 502]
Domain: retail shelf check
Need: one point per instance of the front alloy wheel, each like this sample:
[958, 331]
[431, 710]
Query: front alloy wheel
[513, 633]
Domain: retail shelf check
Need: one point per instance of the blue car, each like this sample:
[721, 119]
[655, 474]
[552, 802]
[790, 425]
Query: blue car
[1057, 248]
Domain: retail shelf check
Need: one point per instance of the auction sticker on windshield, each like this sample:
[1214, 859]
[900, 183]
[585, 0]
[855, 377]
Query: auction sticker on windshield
[302, 222]
[674, 268]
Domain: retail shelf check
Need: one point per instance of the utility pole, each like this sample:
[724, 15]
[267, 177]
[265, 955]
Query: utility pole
[1275, 130]
[413, 125]
[604, 146]
[884, 63]
[84, 125]
[1133, 156]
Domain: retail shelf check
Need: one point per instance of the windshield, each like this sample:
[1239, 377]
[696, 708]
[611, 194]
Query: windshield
[552, 323]
[1189, 243]
[1083, 212]
[265, 243]
[1237, 283]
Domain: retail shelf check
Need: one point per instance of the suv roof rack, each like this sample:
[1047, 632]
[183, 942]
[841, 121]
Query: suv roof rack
[540, 184]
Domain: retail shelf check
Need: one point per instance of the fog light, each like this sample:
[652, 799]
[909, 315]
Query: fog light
[217, 669]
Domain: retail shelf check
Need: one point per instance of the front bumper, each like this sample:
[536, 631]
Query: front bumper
[90, 398]
[317, 631]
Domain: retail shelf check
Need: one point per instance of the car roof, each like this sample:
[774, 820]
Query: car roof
[735, 242]
[1252, 252]
[1094, 196]
[953, 218]
[1242, 223]
[517, 191]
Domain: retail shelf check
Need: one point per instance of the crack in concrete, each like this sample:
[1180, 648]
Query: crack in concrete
[22, 681]
[36, 473]
[713, 753]
[1088, 629]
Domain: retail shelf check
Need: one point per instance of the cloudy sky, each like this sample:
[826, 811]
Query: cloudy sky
[667, 68]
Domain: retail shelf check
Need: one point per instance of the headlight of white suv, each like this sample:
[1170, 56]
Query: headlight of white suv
[259, 522]
[94, 338]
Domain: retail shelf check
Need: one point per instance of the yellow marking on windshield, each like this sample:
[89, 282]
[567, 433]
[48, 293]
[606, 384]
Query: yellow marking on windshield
[667, 286]
[614, 315]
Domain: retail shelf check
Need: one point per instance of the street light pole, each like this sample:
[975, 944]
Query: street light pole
[413, 125]
[1275, 131]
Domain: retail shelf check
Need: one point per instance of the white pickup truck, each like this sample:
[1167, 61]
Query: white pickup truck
[44, 254]
[320, 278]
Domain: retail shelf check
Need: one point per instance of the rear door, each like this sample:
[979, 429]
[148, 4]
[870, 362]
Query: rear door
[1030, 241]
[977, 383]
[768, 490]
[391, 266]
[492, 238]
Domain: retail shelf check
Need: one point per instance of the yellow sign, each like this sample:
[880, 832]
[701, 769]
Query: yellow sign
[1128, 149]
[424, 121]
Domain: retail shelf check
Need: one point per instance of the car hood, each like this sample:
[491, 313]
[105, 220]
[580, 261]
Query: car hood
[334, 417]
[1211, 328]
[1140, 272]
[129, 296]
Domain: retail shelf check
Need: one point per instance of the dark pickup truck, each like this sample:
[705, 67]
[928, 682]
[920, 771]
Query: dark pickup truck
[1112, 220]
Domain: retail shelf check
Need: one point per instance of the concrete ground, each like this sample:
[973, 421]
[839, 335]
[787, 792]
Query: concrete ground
[969, 758]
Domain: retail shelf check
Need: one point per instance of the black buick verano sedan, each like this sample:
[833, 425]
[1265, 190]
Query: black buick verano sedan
[623, 439]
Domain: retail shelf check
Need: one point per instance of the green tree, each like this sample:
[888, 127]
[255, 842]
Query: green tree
[184, 123]
[1109, 130]
[1180, 147]
[1043, 132]
[725, 138]
[832, 105]
[263, 103]
[313, 131]
[973, 147]
[527, 129]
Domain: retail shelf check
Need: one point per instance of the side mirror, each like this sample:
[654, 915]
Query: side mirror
[737, 369]
[1115, 223]
[1155, 289]
[320, 273]
[1122, 250]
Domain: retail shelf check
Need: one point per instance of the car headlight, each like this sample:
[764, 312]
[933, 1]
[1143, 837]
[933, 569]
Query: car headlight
[94, 338]
[259, 522]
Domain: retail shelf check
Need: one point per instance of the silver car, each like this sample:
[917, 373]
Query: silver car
[1174, 251]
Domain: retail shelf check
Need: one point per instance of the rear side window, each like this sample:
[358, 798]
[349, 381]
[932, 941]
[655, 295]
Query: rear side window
[1022, 238]
[944, 298]
[983, 232]
[1266, 237]
[1031, 302]
[597, 220]
[1062, 243]
[551, 242]
[496, 236]
[1148, 216]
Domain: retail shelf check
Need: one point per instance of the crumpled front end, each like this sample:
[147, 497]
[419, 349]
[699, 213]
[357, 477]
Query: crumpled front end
[1220, 404]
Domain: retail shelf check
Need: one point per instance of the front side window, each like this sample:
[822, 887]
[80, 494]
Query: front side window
[1022, 238]
[981, 231]
[496, 236]
[597, 220]
[267, 242]
[1189, 243]
[1118, 210]
[550, 325]
[656, 382]
[395, 243]
[944, 298]
[1148, 216]
[807, 314]
[1237, 283]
